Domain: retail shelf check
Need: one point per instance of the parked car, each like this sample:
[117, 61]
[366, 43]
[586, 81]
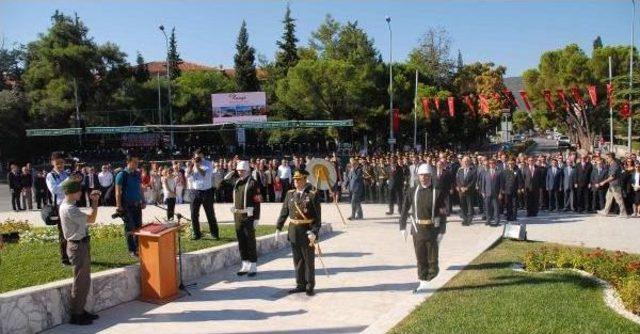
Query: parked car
[563, 141]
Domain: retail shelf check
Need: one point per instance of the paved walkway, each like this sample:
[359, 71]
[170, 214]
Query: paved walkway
[372, 272]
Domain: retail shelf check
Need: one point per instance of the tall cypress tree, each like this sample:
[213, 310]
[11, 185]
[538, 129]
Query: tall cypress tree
[460, 64]
[597, 43]
[174, 56]
[287, 56]
[141, 73]
[244, 63]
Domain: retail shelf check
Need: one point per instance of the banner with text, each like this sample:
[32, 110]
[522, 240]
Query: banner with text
[239, 107]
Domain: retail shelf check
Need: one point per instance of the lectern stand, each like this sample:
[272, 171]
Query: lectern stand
[157, 250]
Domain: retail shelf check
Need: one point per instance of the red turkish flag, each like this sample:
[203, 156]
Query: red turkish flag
[548, 100]
[563, 98]
[577, 95]
[510, 98]
[610, 94]
[625, 110]
[436, 100]
[425, 107]
[452, 107]
[593, 95]
[469, 103]
[526, 100]
[396, 120]
[484, 104]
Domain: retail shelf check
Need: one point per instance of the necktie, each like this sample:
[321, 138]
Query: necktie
[90, 181]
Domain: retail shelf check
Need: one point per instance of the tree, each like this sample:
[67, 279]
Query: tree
[13, 111]
[11, 63]
[432, 57]
[244, 63]
[521, 121]
[63, 55]
[460, 64]
[287, 57]
[597, 43]
[174, 56]
[193, 94]
[141, 72]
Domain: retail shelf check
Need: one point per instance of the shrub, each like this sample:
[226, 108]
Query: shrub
[39, 235]
[12, 226]
[630, 293]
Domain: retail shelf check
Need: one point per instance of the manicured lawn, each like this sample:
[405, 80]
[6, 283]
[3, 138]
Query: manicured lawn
[28, 264]
[489, 297]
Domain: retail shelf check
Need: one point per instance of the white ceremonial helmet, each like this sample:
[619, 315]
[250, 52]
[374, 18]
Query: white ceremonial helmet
[243, 165]
[424, 169]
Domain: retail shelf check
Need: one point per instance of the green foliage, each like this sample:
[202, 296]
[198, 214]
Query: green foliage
[521, 121]
[193, 94]
[174, 56]
[141, 72]
[287, 56]
[432, 57]
[630, 293]
[244, 63]
[12, 226]
[11, 62]
[14, 106]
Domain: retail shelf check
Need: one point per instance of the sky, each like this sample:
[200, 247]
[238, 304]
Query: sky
[510, 33]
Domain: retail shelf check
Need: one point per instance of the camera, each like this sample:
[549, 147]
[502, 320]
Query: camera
[197, 160]
[119, 214]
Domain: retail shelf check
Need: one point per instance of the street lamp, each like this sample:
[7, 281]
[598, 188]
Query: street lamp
[166, 39]
[391, 139]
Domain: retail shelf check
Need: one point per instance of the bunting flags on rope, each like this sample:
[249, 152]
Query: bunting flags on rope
[470, 105]
[625, 110]
[452, 106]
[610, 94]
[484, 104]
[577, 96]
[425, 107]
[527, 105]
[593, 95]
[563, 98]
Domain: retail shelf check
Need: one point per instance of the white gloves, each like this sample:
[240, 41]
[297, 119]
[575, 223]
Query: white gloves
[255, 223]
[440, 236]
[404, 233]
[277, 236]
[311, 236]
[249, 212]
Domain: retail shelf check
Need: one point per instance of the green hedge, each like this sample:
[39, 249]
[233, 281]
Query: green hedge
[620, 269]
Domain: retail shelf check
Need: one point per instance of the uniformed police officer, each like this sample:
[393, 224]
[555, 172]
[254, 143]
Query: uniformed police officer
[428, 221]
[246, 214]
[302, 207]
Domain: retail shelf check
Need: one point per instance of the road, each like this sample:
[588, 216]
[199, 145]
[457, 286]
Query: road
[544, 145]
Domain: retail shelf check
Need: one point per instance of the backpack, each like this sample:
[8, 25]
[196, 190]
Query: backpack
[49, 212]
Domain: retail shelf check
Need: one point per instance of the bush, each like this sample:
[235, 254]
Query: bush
[39, 235]
[12, 226]
[619, 268]
[630, 293]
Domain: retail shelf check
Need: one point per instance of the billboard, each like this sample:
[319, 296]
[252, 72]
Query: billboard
[239, 107]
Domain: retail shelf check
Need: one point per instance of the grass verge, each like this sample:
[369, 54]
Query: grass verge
[28, 264]
[489, 297]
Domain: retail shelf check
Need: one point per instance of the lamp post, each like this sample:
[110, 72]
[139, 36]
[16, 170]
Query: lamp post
[391, 139]
[166, 39]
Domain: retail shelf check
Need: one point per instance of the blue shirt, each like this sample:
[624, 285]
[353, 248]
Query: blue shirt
[54, 183]
[199, 181]
[132, 188]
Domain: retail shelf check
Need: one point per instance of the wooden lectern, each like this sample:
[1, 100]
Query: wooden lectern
[157, 251]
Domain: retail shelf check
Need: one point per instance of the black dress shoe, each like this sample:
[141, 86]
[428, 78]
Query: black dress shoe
[296, 290]
[252, 274]
[388, 213]
[242, 273]
[80, 320]
[91, 316]
[66, 263]
[350, 218]
[310, 292]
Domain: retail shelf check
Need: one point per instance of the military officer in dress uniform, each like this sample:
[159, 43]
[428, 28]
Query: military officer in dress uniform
[302, 207]
[246, 214]
[428, 220]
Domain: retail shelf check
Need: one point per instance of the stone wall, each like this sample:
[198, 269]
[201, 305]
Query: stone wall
[37, 308]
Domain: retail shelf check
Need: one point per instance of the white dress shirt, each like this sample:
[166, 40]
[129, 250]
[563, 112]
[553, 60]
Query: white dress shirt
[105, 179]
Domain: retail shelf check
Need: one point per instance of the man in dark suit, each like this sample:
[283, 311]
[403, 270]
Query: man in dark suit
[512, 184]
[356, 188]
[569, 186]
[598, 174]
[583, 178]
[490, 186]
[544, 196]
[442, 183]
[465, 183]
[553, 184]
[15, 185]
[396, 184]
[532, 187]
[90, 182]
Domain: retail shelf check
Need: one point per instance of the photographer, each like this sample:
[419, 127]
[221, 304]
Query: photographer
[74, 226]
[130, 201]
[202, 191]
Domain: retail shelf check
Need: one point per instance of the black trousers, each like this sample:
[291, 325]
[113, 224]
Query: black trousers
[425, 244]
[64, 257]
[491, 208]
[532, 197]
[304, 262]
[286, 184]
[246, 234]
[395, 197]
[41, 198]
[598, 197]
[271, 193]
[582, 199]
[381, 189]
[15, 199]
[171, 207]
[553, 200]
[466, 207]
[204, 198]
[510, 203]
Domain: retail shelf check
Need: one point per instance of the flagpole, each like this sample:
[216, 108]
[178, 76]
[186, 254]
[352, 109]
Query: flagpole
[415, 114]
[610, 111]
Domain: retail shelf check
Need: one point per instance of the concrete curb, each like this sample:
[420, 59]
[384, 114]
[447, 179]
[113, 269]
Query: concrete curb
[37, 308]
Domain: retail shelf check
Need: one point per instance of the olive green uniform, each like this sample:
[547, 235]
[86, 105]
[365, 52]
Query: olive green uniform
[246, 210]
[303, 210]
[425, 240]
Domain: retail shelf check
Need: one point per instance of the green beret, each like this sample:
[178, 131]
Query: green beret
[70, 187]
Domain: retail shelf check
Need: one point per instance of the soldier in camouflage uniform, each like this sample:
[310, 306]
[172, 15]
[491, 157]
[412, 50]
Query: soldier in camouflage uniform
[302, 207]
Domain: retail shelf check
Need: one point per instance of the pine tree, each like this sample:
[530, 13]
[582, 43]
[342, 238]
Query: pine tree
[244, 63]
[174, 56]
[141, 73]
[597, 43]
[287, 57]
[460, 63]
